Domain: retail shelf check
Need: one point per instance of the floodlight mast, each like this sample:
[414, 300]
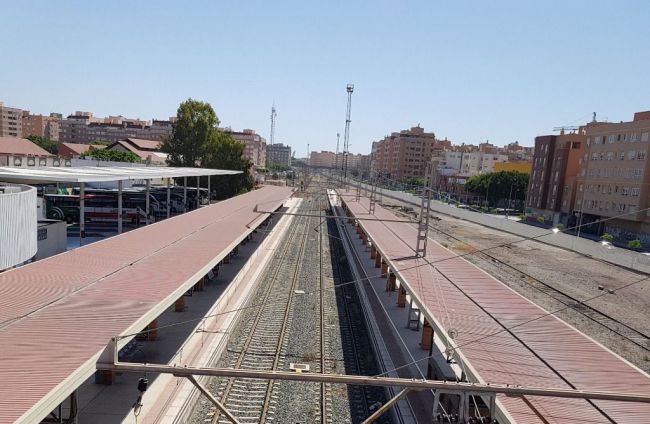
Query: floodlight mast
[346, 137]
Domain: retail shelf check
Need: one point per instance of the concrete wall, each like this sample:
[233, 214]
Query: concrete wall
[52, 238]
[17, 226]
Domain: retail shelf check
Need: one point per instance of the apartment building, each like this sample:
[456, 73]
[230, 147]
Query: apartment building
[614, 179]
[83, 127]
[254, 146]
[278, 154]
[405, 154]
[553, 179]
[11, 121]
[324, 159]
[468, 164]
[41, 125]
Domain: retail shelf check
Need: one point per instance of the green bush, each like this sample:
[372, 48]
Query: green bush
[111, 155]
[559, 226]
[634, 244]
[607, 237]
[540, 219]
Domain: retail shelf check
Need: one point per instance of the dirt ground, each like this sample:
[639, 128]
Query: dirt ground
[563, 270]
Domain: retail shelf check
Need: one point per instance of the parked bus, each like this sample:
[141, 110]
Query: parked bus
[99, 206]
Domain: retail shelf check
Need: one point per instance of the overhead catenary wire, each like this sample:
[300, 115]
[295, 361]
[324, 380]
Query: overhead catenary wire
[428, 263]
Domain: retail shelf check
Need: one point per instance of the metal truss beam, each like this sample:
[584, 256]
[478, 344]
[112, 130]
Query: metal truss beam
[445, 386]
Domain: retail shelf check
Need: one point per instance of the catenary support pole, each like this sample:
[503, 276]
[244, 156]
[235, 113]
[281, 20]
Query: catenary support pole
[184, 194]
[146, 203]
[209, 194]
[82, 212]
[169, 198]
[119, 207]
[198, 191]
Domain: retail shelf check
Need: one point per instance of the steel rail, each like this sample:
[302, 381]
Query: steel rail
[258, 316]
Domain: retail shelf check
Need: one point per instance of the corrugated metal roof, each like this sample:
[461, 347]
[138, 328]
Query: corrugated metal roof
[79, 174]
[58, 314]
[545, 352]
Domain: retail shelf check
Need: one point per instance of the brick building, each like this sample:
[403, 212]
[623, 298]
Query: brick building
[83, 127]
[614, 179]
[11, 121]
[254, 146]
[405, 154]
[278, 154]
[552, 183]
[41, 125]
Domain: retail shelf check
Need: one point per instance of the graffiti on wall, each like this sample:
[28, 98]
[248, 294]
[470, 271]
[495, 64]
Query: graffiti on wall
[625, 235]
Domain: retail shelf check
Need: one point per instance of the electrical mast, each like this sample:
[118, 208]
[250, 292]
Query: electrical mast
[346, 137]
[273, 115]
[336, 158]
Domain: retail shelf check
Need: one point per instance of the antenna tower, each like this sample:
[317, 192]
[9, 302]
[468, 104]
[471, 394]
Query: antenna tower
[273, 115]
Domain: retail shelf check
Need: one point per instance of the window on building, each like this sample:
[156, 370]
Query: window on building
[645, 136]
[611, 139]
[622, 156]
[640, 155]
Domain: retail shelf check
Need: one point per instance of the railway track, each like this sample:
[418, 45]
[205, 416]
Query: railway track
[251, 400]
[592, 313]
[357, 348]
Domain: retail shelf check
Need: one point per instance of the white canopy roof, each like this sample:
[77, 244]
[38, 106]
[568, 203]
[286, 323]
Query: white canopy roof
[84, 174]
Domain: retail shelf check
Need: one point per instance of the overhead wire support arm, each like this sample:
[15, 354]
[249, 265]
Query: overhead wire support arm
[425, 212]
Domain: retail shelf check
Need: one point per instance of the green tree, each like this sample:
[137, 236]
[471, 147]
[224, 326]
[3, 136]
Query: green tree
[499, 186]
[196, 122]
[196, 142]
[416, 181]
[224, 152]
[111, 155]
[51, 146]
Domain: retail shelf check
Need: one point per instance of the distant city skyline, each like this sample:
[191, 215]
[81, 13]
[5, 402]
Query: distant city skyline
[469, 71]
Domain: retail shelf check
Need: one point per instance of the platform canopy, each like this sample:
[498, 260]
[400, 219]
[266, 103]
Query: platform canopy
[86, 174]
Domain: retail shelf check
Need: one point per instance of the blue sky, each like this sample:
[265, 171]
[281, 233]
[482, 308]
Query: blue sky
[467, 70]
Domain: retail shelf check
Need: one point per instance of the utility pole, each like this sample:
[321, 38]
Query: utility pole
[346, 137]
[336, 157]
[273, 115]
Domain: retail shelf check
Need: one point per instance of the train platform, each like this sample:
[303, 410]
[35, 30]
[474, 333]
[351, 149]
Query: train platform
[58, 315]
[494, 335]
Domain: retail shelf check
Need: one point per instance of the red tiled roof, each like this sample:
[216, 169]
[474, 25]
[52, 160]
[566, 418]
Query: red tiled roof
[156, 156]
[58, 314]
[21, 146]
[145, 144]
[538, 350]
[79, 148]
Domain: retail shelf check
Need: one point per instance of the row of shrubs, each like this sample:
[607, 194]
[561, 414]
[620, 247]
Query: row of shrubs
[632, 244]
